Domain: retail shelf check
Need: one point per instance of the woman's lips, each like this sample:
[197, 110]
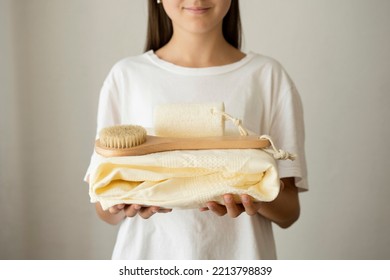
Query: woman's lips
[197, 10]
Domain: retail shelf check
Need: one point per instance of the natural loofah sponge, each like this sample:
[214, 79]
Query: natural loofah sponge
[189, 120]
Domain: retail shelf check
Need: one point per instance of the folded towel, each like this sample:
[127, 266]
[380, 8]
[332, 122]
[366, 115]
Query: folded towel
[184, 179]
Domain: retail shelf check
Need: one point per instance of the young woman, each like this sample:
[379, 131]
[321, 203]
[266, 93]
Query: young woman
[193, 55]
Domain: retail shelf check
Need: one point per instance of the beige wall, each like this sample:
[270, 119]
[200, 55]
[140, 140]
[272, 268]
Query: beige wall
[12, 218]
[55, 55]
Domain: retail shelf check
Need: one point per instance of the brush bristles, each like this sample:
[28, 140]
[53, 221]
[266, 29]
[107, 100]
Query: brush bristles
[122, 136]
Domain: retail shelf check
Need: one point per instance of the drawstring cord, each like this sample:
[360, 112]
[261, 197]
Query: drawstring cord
[236, 122]
[276, 153]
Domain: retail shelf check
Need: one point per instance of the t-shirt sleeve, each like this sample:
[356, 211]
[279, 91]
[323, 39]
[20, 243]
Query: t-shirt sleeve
[287, 131]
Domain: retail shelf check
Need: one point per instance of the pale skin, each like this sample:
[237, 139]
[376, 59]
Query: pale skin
[198, 41]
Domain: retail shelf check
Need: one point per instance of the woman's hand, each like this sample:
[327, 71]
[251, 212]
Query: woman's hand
[131, 210]
[232, 208]
[117, 213]
[284, 210]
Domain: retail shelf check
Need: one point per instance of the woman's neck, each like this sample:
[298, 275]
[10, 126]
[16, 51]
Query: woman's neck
[199, 51]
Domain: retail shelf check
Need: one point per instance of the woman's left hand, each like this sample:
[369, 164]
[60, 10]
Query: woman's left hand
[232, 208]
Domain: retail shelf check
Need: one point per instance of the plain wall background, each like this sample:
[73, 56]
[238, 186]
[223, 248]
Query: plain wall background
[55, 54]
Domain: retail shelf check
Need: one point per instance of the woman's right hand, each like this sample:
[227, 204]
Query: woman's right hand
[131, 210]
[115, 214]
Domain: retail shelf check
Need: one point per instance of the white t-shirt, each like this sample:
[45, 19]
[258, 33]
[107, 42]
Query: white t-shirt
[256, 90]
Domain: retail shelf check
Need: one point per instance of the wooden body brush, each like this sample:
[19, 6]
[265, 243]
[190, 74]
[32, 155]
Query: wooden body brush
[132, 140]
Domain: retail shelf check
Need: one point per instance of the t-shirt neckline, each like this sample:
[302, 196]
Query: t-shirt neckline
[214, 70]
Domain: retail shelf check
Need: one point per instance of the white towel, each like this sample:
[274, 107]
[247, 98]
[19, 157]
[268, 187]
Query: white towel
[184, 179]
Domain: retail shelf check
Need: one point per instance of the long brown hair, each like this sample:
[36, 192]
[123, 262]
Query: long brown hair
[160, 28]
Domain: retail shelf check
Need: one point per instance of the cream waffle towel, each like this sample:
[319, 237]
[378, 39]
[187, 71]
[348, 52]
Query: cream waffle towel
[184, 179]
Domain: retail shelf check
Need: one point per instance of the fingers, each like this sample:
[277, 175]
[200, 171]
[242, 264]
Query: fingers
[232, 208]
[132, 210]
[250, 207]
[216, 208]
[116, 208]
[147, 212]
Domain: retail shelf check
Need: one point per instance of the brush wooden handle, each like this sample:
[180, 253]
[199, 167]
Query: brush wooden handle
[156, 144]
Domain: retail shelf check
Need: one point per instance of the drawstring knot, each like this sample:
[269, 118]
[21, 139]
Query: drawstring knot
[277, 153]
[236, 122]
